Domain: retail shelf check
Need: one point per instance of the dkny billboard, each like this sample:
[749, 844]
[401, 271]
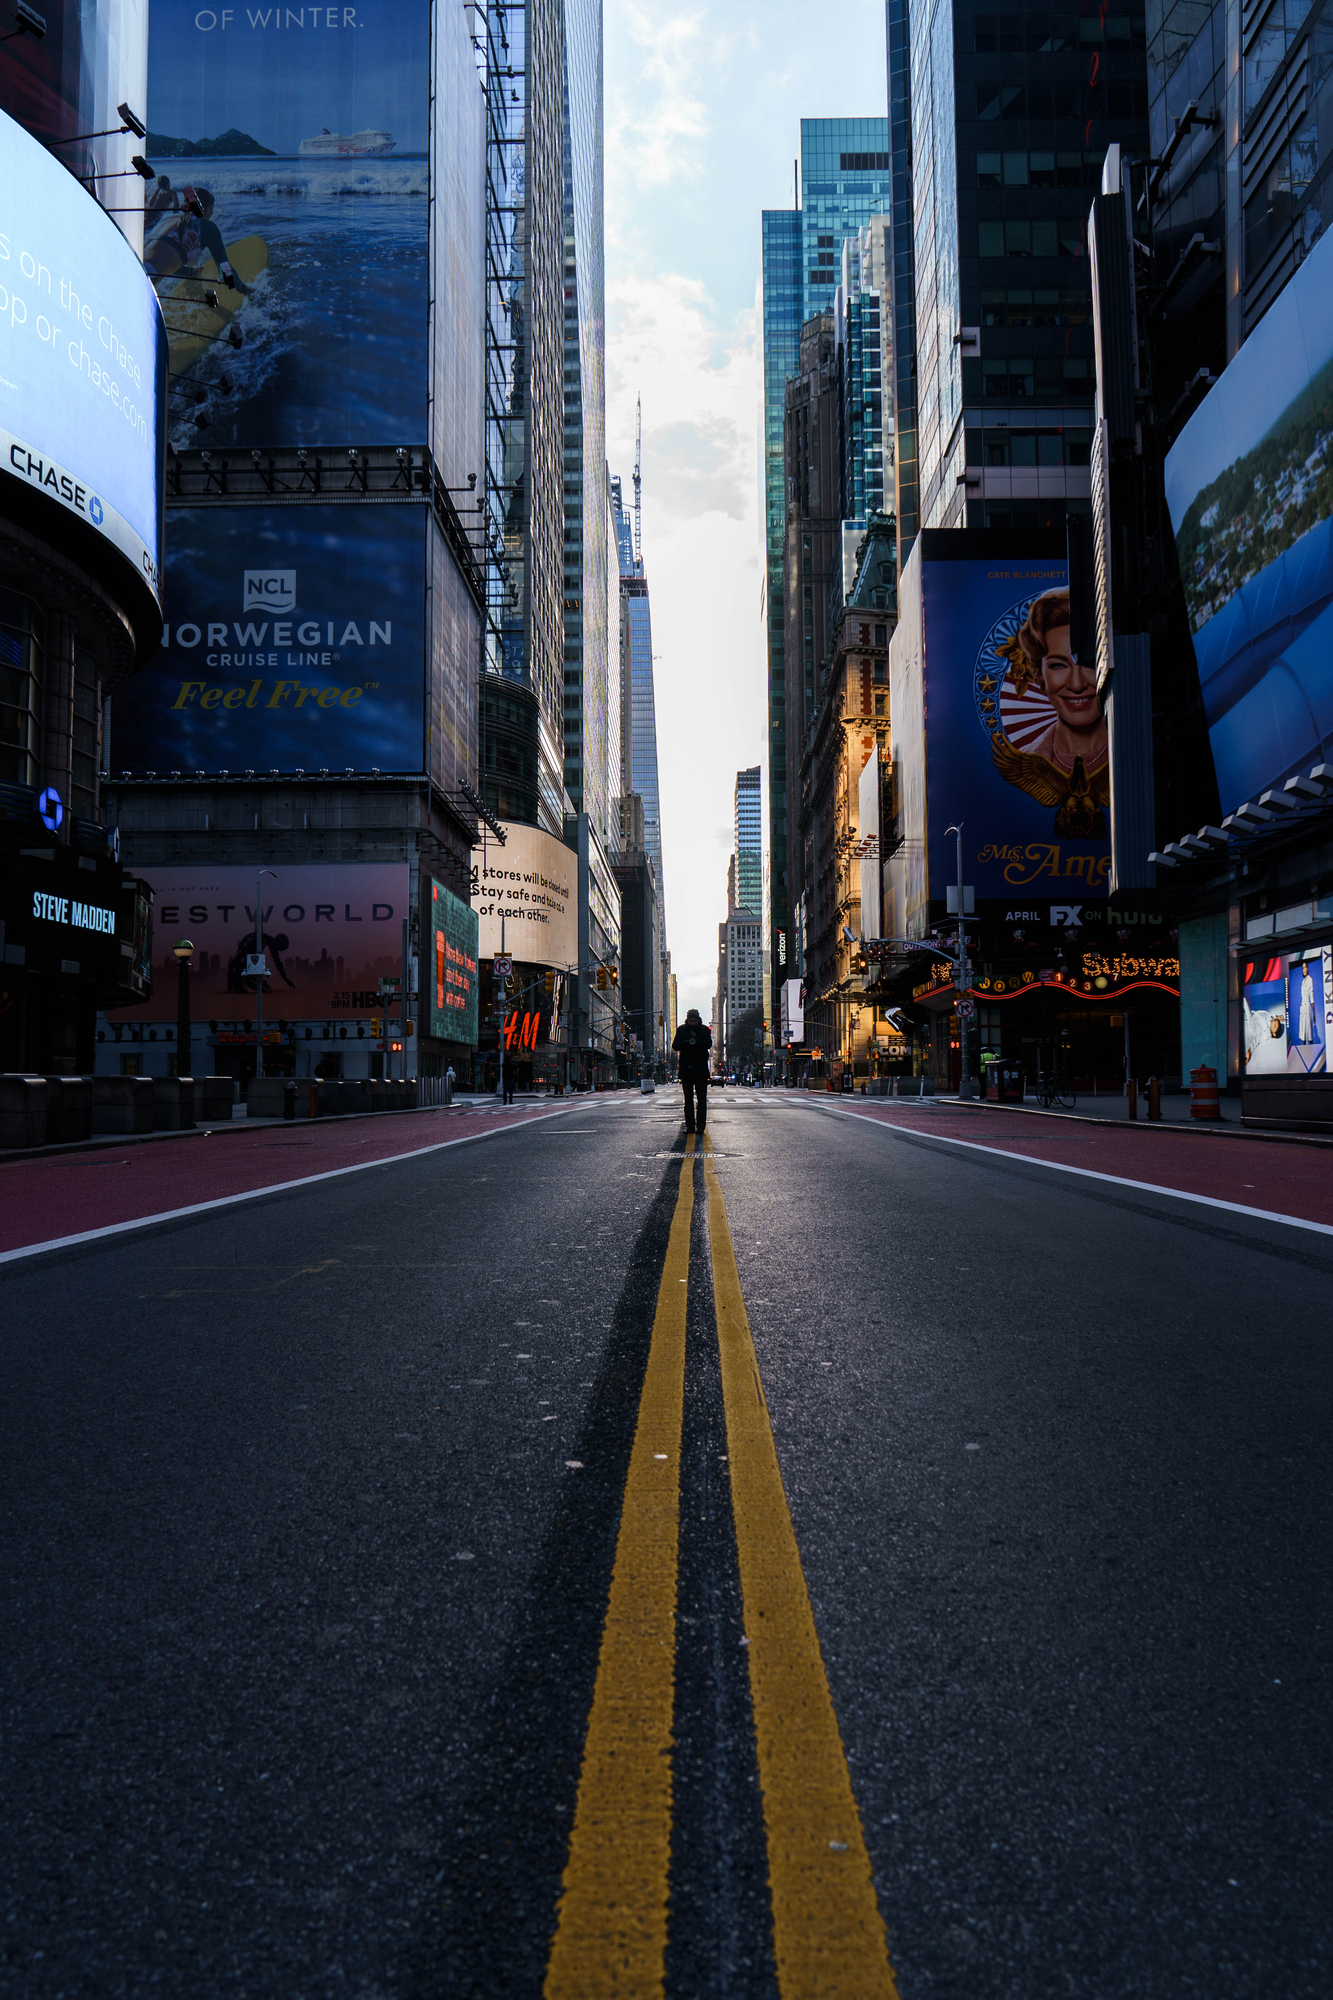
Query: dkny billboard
[294, 640]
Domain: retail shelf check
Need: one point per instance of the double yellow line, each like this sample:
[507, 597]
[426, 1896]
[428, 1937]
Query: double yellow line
[611, 1931]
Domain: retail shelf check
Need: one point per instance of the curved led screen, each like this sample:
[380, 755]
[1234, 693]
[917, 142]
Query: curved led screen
[82, 356]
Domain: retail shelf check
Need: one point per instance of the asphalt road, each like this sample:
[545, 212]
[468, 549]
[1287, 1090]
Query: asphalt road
[310, 1509]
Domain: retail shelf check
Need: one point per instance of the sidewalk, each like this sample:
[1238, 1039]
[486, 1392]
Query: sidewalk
[1175, 1117]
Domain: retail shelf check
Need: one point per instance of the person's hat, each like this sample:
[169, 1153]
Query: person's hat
[694, 1015]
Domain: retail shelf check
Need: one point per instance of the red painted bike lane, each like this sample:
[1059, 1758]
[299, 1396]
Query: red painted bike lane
[68, 1196]
[1270, 1178]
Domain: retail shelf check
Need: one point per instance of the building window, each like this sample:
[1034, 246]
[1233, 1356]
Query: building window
[21, 679]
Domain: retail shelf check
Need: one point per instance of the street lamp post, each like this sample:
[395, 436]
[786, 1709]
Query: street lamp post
[259, 984]
[965, 1074]
[183, 952]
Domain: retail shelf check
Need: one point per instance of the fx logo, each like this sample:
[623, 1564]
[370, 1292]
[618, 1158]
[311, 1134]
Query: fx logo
[270, 590]
[1070, 914]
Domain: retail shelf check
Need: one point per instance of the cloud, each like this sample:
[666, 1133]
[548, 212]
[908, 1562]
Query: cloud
[653, 134]
[702, 119]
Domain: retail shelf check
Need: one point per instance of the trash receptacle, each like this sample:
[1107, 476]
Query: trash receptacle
[1008, 1082]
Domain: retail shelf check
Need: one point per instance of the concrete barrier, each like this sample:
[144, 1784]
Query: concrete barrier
[359, 1092]
[22, 1110]
[123, 1104]
[913, 1086]
[69, 1110]
[214, 1099]
[173, 1103]
[263, 1098]
[379, 1094]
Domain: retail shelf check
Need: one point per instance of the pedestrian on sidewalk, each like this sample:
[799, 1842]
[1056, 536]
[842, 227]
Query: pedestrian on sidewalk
[450, 1079]
[692, 1044]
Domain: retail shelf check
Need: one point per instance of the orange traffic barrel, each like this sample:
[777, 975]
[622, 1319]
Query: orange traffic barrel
[1204, 1100]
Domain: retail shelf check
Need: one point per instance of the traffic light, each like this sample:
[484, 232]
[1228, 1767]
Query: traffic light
[615, 976]
[548, 980]
[375, 1027]
[601, 978]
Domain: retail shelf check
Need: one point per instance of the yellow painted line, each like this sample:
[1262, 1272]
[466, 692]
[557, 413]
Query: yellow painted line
[611, 1929]
[828, 1935]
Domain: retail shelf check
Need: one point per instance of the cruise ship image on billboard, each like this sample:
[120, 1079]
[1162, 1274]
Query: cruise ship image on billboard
[336, 145]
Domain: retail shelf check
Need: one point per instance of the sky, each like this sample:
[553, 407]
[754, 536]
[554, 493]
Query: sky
[703, 111]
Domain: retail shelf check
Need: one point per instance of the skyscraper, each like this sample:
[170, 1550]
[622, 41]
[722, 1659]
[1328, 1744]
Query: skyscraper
[638, 702]
[749, 841]
[1011, 116]
[844, 179]
[863, 332]
[546, 418]
[523, 484]
[591, 722]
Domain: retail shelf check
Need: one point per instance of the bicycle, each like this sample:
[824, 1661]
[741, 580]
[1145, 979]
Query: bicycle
[1051, 1094]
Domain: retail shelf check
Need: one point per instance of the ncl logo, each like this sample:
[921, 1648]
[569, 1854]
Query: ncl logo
[270, 590]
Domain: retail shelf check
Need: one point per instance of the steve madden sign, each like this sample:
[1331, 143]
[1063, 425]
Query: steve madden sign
[79, 916]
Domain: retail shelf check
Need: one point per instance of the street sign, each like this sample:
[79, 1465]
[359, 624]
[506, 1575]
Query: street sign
[967, 1009]
[502, 967]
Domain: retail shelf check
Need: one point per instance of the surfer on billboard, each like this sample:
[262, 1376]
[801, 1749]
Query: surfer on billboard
[1066, 764]
[194, 237]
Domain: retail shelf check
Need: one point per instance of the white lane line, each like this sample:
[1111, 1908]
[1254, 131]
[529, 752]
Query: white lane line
[278, 1187]
[1085, 1173]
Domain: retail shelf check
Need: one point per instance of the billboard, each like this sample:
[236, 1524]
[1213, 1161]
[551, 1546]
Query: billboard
[451, 972]
[791, 1018]
[1009, 737]
[1287, 1013]
[291, 149]
[330, 935]
[83, 381]
[294, 640]
[1249, 484]
[532, 882]
[868, 802]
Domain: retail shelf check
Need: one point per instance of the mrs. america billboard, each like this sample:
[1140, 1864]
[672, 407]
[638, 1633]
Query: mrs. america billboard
[996, 726]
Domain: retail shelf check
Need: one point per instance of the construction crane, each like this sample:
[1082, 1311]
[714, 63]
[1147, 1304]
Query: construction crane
[638, 482]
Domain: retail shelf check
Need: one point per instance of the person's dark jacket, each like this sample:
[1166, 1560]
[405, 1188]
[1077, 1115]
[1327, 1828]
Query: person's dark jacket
[692, 1044]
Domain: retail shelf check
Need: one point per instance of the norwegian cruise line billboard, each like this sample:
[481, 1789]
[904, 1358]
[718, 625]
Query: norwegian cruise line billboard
[286, 230]
[1249, 483]
[294, 640]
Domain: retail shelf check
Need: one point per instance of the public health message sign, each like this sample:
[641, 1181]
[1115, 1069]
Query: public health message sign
[294, 640]
[1249, 483]
[330, 935]
[533, 882]
[83, 376]
[451, 971]
[303, 133]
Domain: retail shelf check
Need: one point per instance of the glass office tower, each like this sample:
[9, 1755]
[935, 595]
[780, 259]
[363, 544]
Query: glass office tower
[1011, 116]
[591, 725]
[749, 841]
[844, 179]
[638, 702]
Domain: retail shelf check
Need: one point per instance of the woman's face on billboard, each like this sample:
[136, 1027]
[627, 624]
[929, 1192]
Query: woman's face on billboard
[1070, 687]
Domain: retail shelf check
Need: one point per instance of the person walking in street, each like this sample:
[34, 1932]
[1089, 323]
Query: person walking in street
[692, 1045]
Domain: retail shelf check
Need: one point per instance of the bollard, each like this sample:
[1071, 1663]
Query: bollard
[1154, 1099]
[314, 1101]
[1132, 1097]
